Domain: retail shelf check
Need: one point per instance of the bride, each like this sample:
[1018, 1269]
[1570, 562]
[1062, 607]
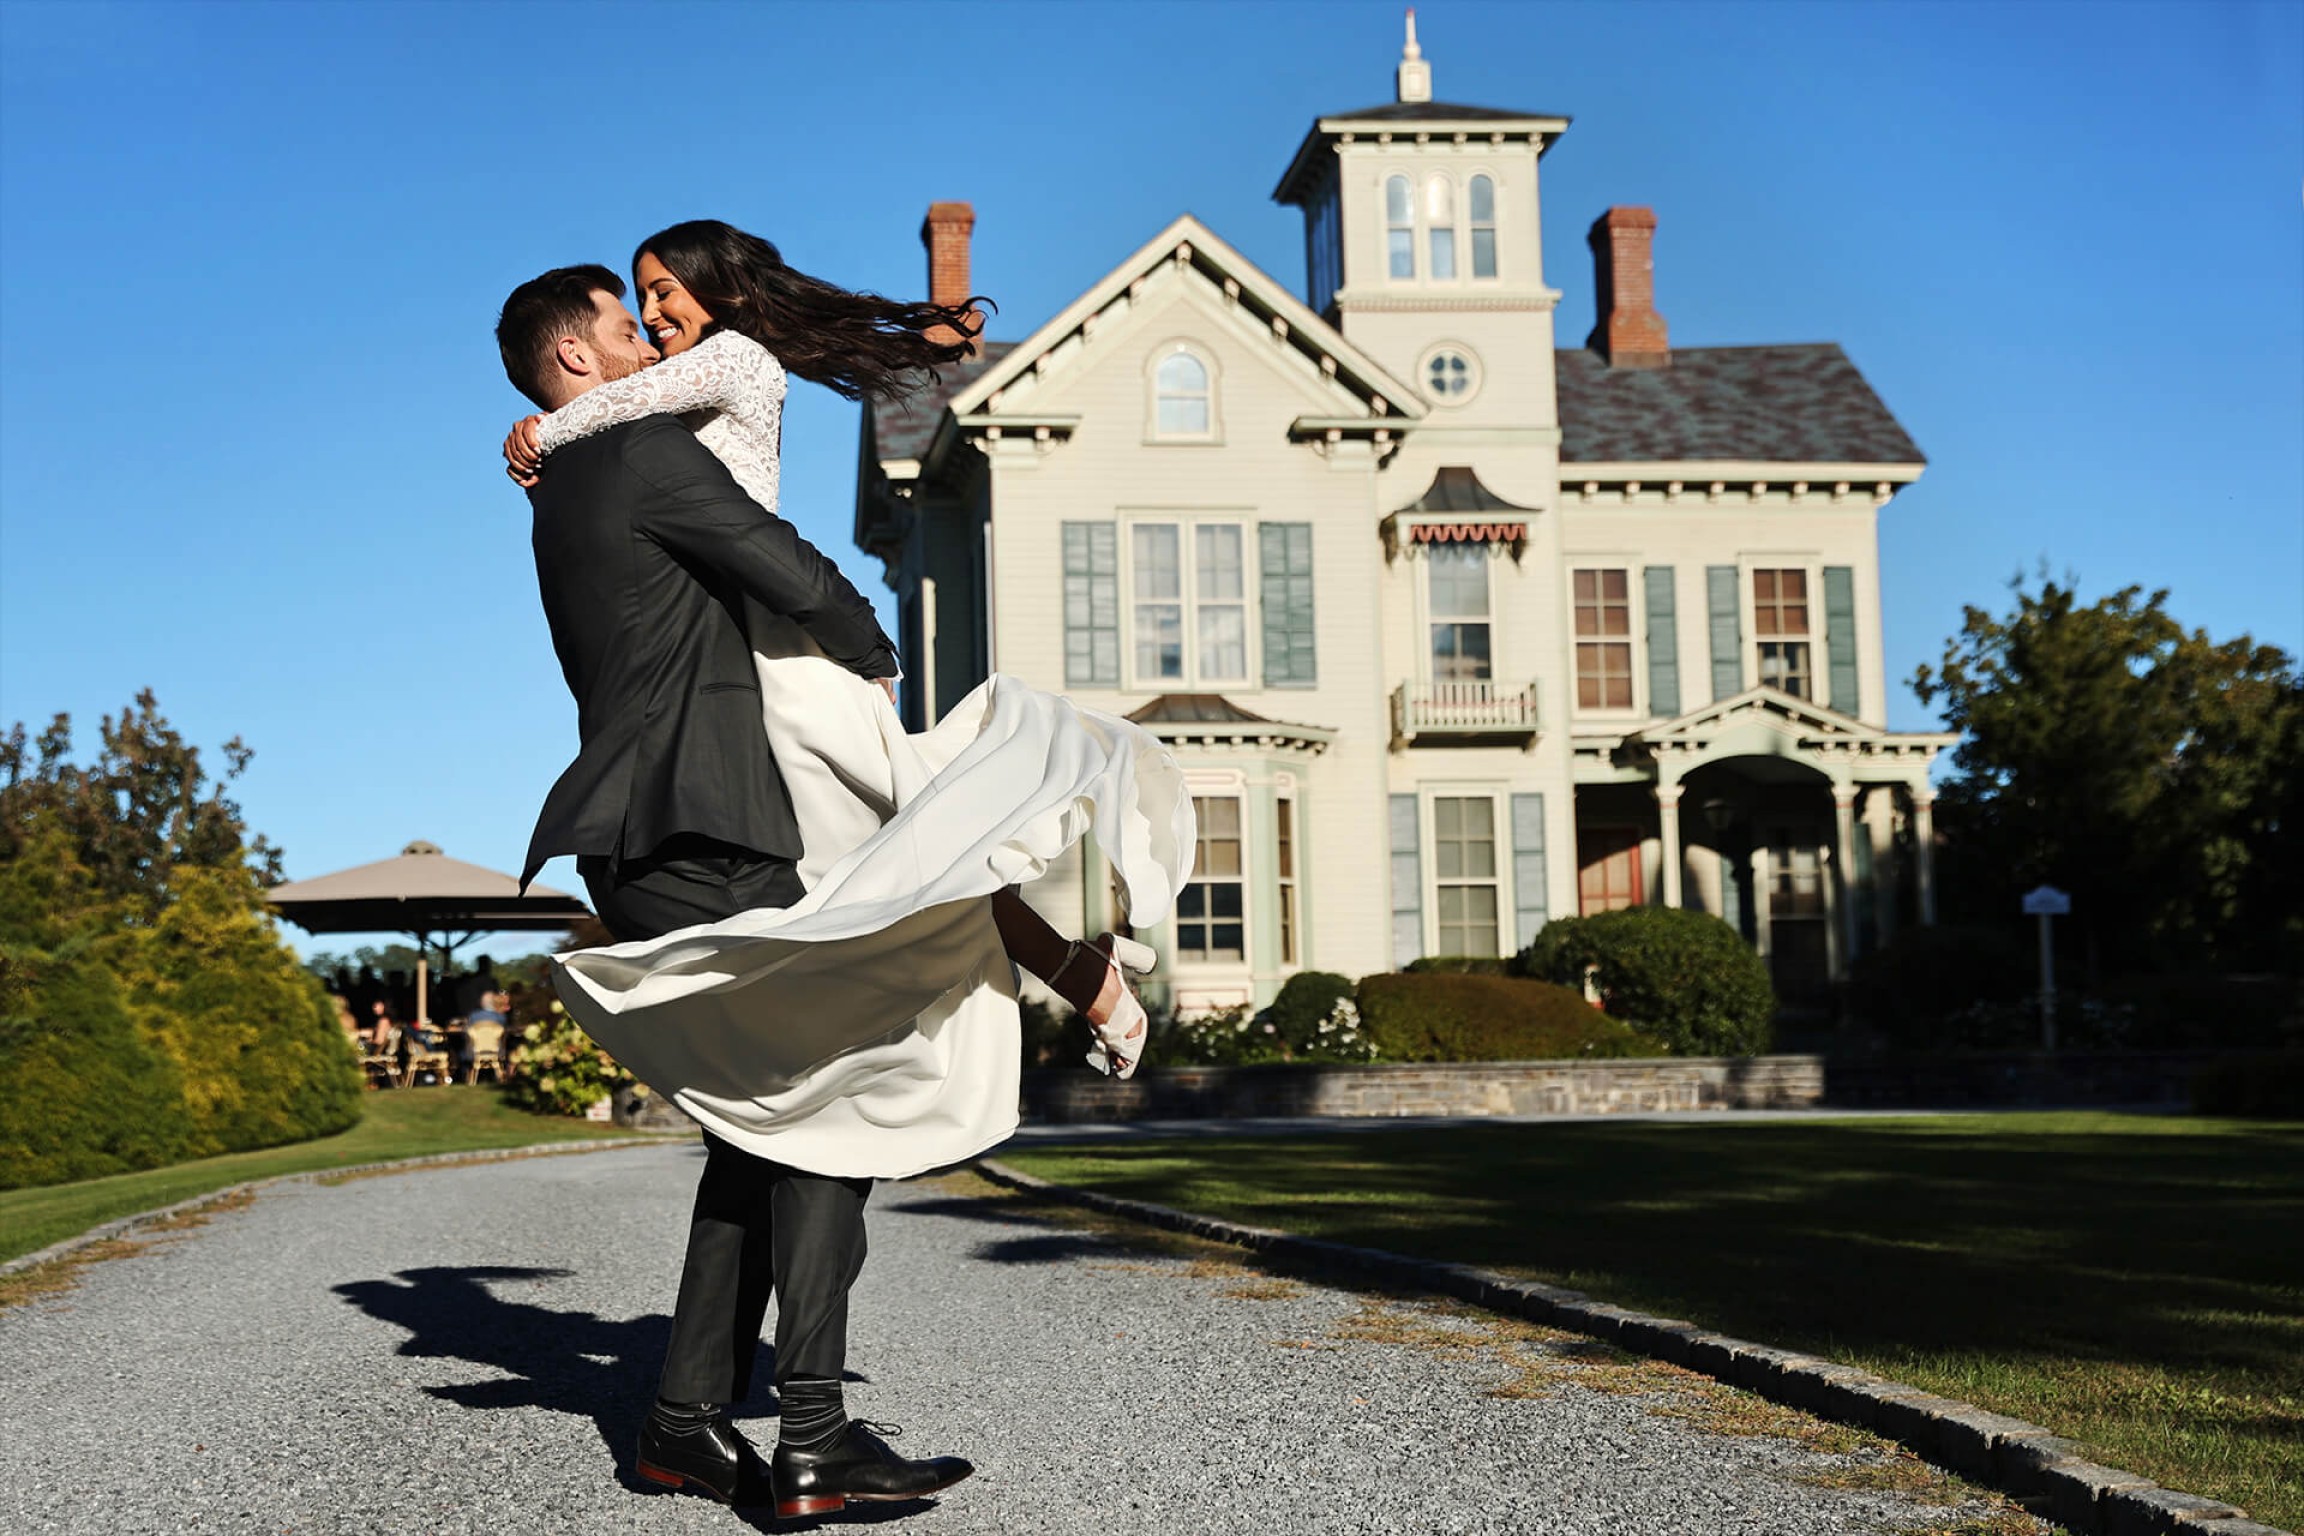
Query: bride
[870, 1029]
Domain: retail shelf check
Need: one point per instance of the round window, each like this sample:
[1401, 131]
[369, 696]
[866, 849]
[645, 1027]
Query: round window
[1450, 375]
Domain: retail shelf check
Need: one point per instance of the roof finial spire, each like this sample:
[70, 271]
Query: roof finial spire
[1414, 75]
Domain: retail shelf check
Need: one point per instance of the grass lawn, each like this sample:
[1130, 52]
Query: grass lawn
[405, 1122]
[2134, 1282]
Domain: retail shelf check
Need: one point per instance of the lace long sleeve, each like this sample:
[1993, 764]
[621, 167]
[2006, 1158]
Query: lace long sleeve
[726, 372]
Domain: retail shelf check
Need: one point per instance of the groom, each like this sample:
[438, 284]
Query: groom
[647, 551]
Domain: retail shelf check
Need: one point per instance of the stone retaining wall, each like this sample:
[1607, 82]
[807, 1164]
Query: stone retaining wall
[1456, 1088]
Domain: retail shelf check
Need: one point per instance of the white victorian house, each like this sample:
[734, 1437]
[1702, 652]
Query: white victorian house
[1454, 629]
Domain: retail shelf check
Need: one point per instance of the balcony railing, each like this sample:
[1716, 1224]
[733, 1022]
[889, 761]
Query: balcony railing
[1482, 713]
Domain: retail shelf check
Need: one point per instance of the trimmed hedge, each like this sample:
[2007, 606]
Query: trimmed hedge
[1459, 965]
[1436, 1016]
[127, 1046]
[1685, 978]
[85, 1094]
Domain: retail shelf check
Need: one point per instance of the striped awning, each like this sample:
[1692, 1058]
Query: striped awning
[1468, 533]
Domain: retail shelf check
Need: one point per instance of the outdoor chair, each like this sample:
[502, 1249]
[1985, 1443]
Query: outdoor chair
[485, 1040]
[427, 1058]
[382, 1062]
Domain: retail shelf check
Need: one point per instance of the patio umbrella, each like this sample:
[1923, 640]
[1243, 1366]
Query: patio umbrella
[423, 893]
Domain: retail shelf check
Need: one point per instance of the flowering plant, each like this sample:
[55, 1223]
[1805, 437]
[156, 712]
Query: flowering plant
[1314, 1019]
[556, 1069]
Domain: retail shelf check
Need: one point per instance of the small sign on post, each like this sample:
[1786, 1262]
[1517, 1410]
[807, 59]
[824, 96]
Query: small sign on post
[2047, 904]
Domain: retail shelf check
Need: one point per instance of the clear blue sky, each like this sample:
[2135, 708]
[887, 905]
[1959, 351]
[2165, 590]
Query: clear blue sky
[250, 408]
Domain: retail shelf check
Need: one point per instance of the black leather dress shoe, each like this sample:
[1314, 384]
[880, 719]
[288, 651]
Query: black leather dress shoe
[858, 1466]
[708, 1458]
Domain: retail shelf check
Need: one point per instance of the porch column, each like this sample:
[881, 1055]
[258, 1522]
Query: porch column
[1844, 875]
[1668, 819]
[1924, 851]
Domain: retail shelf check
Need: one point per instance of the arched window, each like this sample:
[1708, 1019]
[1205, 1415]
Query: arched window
[1180, 389]
[1400, 227]
[1440, 224]
[1483, 200]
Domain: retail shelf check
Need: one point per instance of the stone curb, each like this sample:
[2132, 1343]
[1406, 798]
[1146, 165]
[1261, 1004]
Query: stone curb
[122, 1226]
[2020, 1459]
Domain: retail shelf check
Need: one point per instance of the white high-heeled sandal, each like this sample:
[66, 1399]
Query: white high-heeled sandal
[1118, 1044]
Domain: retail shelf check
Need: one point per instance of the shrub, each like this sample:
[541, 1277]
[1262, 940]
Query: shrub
[1052, 1037]
[1685, 978]
[2265, 1085]
[252, 1034]
[86, 1095]
[1221, 1037]
[1443, 1017]
[1313, 1019]
[1940, 988]
[1459, 965]
[557, 1069]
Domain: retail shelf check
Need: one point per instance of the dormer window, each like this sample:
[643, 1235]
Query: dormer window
[1481, 194]
[1183, 395]
[1440, 219]
[1400, 227]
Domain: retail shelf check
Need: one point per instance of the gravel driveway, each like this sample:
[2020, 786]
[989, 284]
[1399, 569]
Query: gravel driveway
[471, 1349]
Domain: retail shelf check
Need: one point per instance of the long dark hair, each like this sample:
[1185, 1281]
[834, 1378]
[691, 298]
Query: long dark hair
[855, 344]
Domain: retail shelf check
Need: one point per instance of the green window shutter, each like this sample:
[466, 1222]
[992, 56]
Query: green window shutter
[1663, 644]
[1528, 874]
[1407, 884]
[1840, 635]
[1092, 604]
[1284, 552]
[1727, 631]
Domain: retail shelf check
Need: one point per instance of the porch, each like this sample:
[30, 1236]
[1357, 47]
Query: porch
[1810, 832]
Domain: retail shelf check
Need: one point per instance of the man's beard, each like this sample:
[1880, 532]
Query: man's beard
[615, 365]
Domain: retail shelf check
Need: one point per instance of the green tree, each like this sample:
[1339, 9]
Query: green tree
[2148, 770]
[148, 1009]
[144, 808]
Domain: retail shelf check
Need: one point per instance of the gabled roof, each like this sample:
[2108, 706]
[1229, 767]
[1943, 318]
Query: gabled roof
[1794, 404]
[1218, 263]
[1763, 722]
[1800, 715]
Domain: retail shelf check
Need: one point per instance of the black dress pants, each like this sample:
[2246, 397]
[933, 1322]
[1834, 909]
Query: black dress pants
[758, 1226]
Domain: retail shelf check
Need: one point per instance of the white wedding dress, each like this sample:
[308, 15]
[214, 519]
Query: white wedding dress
[870, 1029]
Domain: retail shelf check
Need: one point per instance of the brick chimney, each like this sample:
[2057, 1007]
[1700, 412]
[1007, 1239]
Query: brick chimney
[1627, 330]
[945, 232]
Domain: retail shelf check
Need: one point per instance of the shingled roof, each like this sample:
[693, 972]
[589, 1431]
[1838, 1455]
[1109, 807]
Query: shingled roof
[1803, 404]
[902, 429]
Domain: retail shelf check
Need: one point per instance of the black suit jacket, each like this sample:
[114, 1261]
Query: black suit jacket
[646, 551]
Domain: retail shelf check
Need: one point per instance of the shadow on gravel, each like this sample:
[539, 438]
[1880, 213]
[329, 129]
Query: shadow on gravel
[565, 1362]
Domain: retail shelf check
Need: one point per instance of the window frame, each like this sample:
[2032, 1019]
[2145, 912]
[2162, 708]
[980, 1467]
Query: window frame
[1439, 187]
[1808, 566]
[1427, 652]
[1154, 361]
[1475, 374]
[1499, 801]
[1635, 639]
[1232, 787]
[1392, 226]
[1473, 226]
[1188, 524]
[1287, 875]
